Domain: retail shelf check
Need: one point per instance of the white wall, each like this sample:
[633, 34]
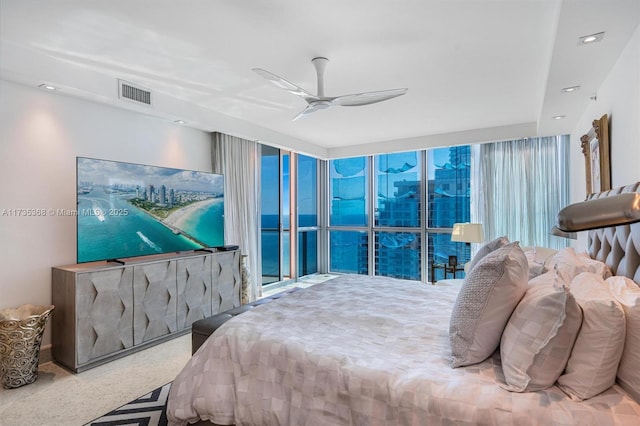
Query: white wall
[41, 133]
[619, 97]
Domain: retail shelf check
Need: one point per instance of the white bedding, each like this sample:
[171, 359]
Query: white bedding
[360, 350]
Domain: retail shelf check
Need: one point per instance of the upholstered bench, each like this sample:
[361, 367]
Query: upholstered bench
[202, 329]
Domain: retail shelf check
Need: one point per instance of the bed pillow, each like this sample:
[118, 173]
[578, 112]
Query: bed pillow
[487, 298]
[627, 293]
[536, 257]
[595, 266]
[594, 360]
[567, 264]
[485, 250]
[539, 336]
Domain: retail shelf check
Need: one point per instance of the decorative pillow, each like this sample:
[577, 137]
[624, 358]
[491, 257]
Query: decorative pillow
[627, 293]
[487, 298]
[539, 336]
[485, 250]
[594, 360]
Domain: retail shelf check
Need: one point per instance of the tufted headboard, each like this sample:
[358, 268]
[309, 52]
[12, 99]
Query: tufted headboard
[617, 246]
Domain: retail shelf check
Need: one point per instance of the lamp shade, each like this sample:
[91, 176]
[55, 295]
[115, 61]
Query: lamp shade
[467, 232]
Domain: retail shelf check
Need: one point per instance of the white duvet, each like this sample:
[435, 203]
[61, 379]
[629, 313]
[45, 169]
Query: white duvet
[360, 350]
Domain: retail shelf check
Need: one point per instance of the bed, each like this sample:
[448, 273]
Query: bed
[360, 350]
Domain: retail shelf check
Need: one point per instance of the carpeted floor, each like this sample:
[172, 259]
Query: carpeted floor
[148, 410]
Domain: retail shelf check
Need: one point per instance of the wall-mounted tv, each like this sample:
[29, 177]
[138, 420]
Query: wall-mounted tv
[127, 210]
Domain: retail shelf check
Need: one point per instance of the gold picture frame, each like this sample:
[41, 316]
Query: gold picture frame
[595, 147]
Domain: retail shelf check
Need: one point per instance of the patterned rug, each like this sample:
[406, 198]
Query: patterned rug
[148, 410]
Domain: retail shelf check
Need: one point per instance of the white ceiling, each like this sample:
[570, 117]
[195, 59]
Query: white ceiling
[476, 70]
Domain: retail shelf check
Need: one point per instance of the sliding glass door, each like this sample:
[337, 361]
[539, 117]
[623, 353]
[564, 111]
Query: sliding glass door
[289, 214]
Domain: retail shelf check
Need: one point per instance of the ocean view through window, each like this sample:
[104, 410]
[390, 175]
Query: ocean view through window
[377, 222]
[270, 213]
[387, 214]
[289, 214]
[307, 198]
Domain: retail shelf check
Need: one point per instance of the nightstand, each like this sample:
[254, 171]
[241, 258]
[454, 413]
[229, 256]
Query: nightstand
[451, 269]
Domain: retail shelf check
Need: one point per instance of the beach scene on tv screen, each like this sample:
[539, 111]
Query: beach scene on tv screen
[128, 210]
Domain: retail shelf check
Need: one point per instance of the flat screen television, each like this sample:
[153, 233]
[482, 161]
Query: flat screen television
[126, 210]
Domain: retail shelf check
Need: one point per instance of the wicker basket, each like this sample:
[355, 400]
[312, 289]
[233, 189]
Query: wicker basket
[21, 332]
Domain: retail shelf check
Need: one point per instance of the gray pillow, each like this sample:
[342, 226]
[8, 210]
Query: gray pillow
[488, 296]
[485, 250]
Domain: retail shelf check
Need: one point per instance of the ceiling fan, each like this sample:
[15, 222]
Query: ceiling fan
[320, 101]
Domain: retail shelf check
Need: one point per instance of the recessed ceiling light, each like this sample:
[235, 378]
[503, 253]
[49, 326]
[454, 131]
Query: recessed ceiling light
[558, 117]
[591, 38]
[48, 87]
[180, 122]
[570, 89]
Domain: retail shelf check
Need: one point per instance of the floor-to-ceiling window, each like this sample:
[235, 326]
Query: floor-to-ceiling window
[448, 194]
[405, 235]
[270, 177]
[285, 214]
[397, 232]
[289, 214]
[389, 214]
[349, 215]
[307, 200]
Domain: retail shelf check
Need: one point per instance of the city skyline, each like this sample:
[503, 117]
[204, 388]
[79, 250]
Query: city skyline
[107, 173]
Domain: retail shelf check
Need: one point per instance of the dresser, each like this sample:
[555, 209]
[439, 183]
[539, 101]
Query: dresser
[106, 310]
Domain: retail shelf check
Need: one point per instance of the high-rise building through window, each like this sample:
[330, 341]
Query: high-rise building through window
[389, 214]
[406, 235]
[378, 221]
[448, 192]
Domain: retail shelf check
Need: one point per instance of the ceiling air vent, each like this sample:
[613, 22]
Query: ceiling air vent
[133, 93]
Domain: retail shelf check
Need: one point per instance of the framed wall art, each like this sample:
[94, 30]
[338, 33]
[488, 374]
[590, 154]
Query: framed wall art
[595, 147]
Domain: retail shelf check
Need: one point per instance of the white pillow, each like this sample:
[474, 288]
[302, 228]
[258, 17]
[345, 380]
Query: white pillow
[566, 263]
[594, 360]
[487, 298]
[537, 256]
[485, 250]
[627, 293]
[569, 264]
[595, 266]
[539, 336]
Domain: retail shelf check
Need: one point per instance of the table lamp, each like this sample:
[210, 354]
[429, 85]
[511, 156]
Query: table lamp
[467, 233]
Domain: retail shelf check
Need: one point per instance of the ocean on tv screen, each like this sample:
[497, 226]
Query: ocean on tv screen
[127, 210]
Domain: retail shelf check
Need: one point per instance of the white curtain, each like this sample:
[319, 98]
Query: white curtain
[238, 160]
[518, 188]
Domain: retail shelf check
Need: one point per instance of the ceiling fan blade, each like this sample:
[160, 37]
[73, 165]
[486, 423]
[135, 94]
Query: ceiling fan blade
[284, 84]
[367, 98]
[320, 101]
[308, 110]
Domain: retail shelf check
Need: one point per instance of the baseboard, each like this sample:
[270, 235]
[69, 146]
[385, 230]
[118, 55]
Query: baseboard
[45, 354]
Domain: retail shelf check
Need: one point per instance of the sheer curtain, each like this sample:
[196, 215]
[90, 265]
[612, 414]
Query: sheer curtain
[519, 186]
[238, 160]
